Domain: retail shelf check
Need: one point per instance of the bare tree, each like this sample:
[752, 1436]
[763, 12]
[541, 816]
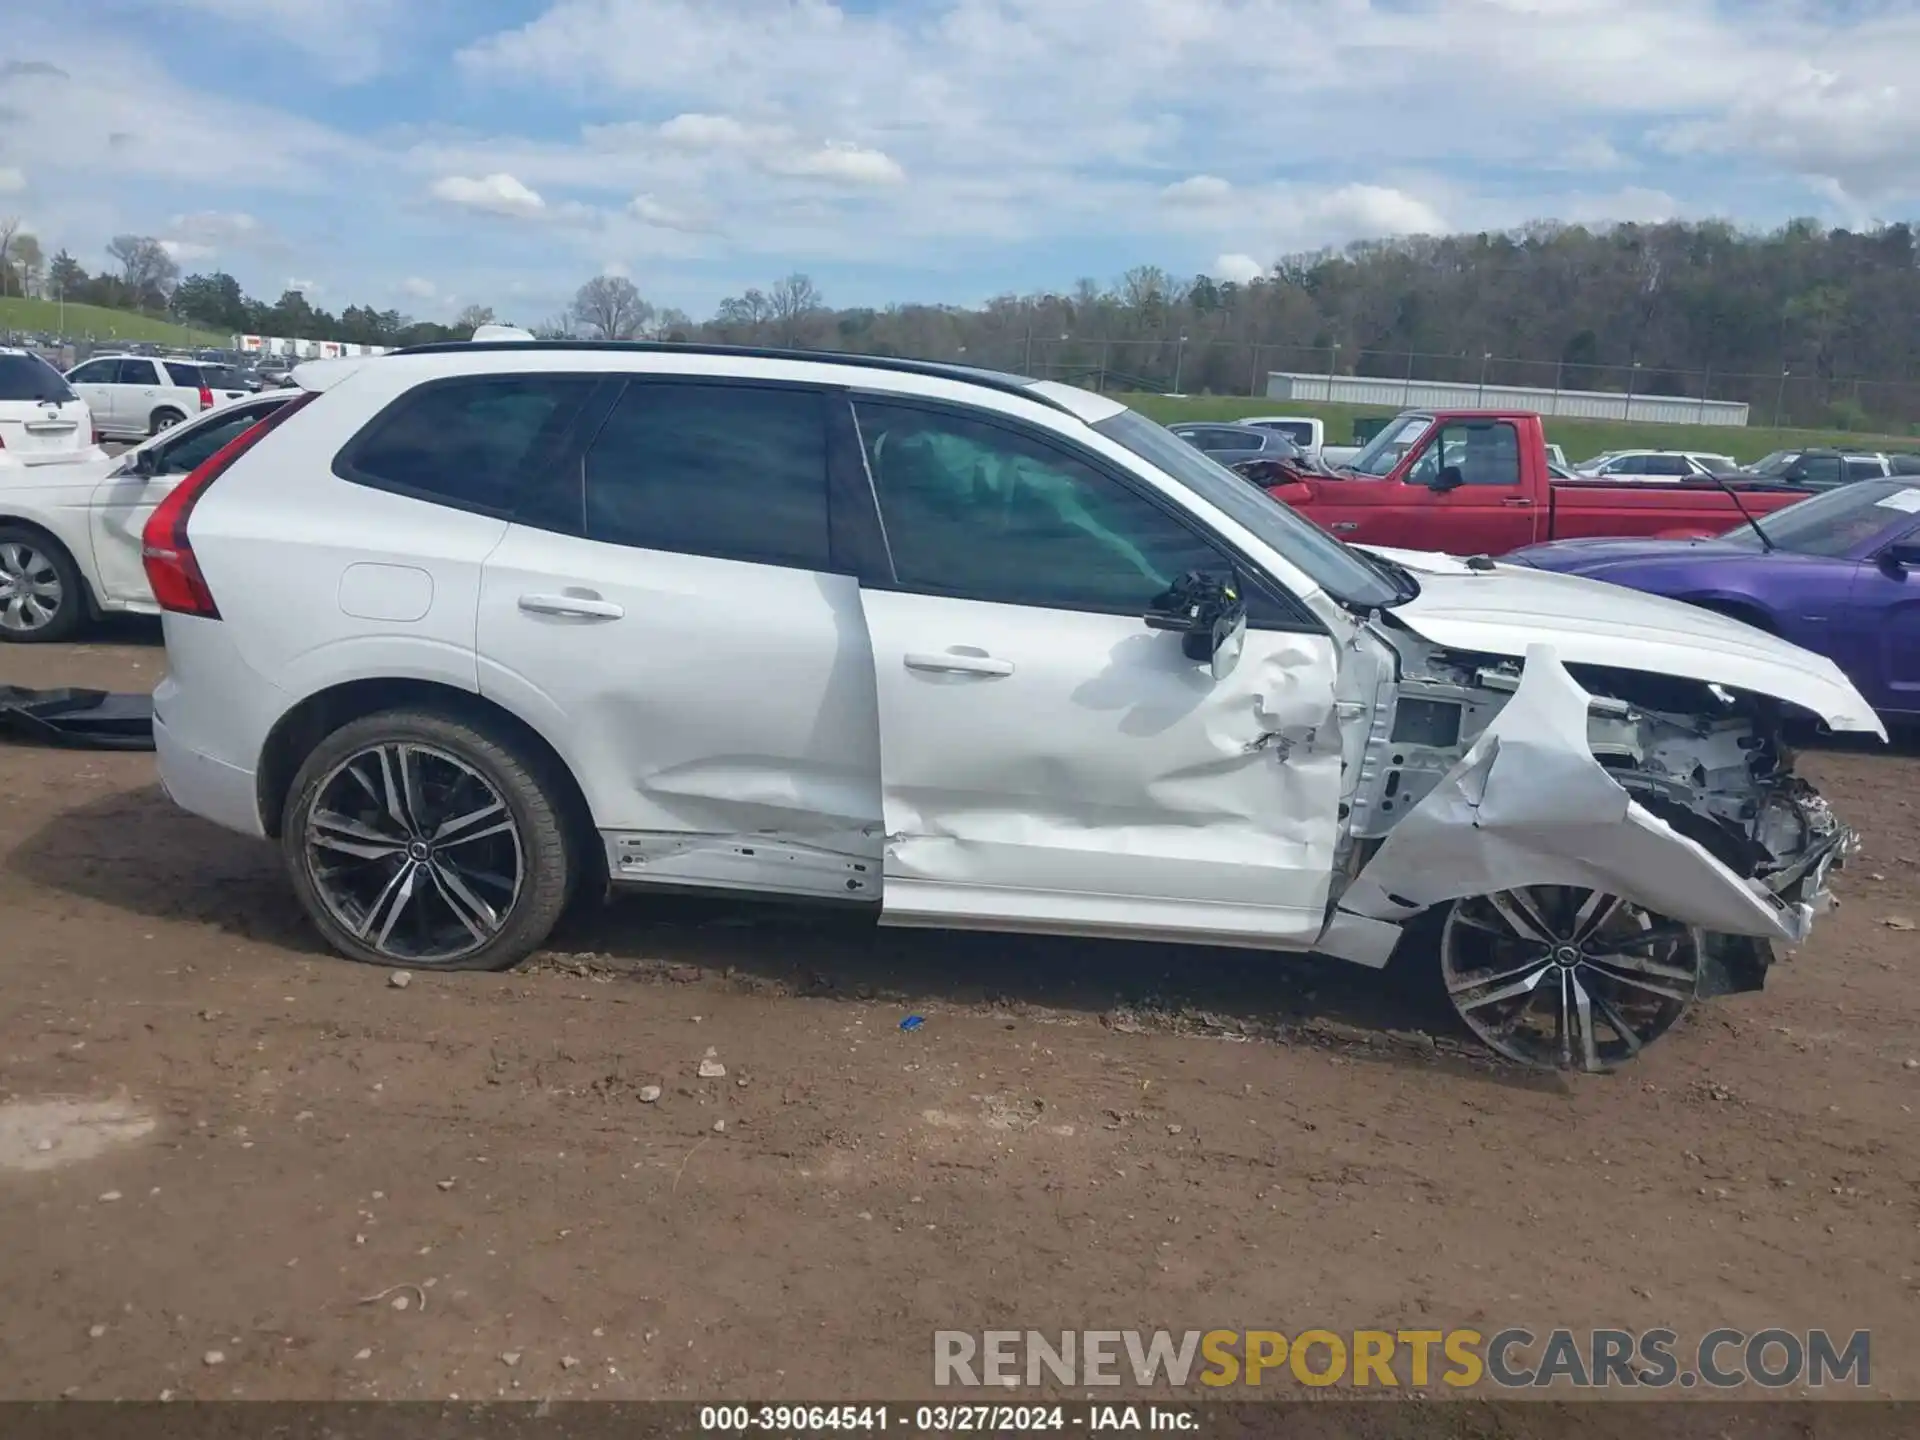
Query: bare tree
[794, 303]
[147, 270]
[29, 263]
[611, 308]
[9, 227]
[473, 317]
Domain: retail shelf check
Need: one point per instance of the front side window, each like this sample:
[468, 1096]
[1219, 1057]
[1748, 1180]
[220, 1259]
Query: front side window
[1483, 452]
[472, 442]
[190, 451]
[738, 472]
[978, 512]
[95, 372]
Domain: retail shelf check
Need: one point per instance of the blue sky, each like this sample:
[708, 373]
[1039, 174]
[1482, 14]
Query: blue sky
[427, 154]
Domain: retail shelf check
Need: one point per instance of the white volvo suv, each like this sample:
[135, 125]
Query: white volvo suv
[471, 627]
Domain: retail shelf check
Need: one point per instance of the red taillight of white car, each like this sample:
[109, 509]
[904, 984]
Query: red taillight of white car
[166, 552]
[206, 397]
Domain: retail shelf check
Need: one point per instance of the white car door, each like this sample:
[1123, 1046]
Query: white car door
[123, 502]
[1050, 763]
[136, 394]
[93, 382]
[677, 626]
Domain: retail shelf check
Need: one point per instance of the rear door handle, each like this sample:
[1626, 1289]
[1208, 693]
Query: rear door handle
[951, 664]
[578, 607]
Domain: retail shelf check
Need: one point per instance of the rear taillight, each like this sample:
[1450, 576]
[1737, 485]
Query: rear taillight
[165, 550]
[206, 398]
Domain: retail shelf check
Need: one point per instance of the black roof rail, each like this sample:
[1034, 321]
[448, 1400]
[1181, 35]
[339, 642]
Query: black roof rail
[988, 379]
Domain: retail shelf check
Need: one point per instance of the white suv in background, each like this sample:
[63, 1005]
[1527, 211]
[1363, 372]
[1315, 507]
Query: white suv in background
[1657, 465]
[472, 627]
[42, 420]
[134, 396]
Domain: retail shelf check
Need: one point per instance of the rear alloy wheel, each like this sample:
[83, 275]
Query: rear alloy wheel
[1563, 978]
[417, 839]
[165, 420]
[40, 594]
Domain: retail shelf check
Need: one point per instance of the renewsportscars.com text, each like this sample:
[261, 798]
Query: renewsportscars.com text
[1509, 1359]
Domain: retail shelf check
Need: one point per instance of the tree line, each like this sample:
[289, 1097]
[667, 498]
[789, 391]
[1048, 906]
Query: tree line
[1670, 309]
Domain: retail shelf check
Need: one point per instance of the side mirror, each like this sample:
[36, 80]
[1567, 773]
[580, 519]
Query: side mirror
[1795, 472]
[1449, 478]
[1210, 617]
[147, 462]
[1292, 492]
[1902, 555]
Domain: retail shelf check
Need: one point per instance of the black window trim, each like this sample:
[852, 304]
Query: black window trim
[1287, 613]
[541, 472]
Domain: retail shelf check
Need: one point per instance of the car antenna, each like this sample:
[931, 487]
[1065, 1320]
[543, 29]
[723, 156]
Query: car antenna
[1734, 495]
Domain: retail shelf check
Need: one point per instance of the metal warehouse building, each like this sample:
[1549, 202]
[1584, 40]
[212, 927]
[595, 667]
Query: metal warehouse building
[1448, 395]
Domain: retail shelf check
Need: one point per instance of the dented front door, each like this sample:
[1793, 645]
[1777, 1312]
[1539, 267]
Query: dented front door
[1048, 763]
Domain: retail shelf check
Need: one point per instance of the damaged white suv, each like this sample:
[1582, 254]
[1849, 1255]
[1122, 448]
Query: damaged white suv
[470, 627]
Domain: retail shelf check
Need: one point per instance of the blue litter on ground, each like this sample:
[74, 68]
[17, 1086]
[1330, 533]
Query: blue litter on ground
[913, 1022]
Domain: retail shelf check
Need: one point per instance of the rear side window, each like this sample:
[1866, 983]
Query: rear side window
[738, 472]
[28, 377]
[1864, 470]
[138, 372]
[475, 443]
[187, 375]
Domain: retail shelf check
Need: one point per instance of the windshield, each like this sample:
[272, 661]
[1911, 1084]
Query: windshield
[28, 377]
[1834, 522]
[1385, 450]
[1345, 574]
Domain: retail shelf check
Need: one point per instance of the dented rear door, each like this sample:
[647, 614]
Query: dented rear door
[1048, 763]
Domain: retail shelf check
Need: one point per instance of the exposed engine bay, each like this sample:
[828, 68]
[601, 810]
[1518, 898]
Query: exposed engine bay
[1705, 763]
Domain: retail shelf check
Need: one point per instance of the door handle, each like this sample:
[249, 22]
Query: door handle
[1344, 525]
[951, 664]
[1520, 502]
[577, 607]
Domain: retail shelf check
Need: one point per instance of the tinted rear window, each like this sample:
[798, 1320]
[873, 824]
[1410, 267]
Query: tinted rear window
[733, 471]
[471, 442]
[28, 377]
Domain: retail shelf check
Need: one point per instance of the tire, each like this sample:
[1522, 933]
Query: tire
[164, 418]
[352, 874]
[32, 562]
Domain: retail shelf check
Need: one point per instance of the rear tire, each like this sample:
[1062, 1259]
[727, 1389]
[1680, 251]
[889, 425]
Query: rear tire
[43, 600]
[164, 418]
[417, 839]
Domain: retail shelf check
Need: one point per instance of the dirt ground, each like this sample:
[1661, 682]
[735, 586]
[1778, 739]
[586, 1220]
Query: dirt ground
[257, 1138]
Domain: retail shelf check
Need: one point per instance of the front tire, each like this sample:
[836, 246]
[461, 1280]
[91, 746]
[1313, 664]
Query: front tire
[42, 597]
[417, 839]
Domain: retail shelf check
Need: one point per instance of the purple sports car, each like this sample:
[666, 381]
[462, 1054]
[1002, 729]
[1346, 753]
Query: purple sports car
[1838, 573]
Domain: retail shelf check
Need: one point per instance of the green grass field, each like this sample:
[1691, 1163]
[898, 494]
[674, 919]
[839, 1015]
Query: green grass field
[1581, 439]
[45, 316]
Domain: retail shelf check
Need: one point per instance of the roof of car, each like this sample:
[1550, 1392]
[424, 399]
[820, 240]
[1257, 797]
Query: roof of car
[1045, 392]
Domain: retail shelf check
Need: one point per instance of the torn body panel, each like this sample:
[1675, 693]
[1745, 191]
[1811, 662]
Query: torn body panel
[1073, 772]
[1546, 795]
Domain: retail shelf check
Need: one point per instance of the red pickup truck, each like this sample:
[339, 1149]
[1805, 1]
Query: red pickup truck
[1475, 482]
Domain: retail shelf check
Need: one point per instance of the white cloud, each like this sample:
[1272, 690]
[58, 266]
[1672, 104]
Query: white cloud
[852, 164]
[348, 36]
[662, 216]
[619, 269]
[186, 252]
[1241, 269]
[309, 288]
[497, 194]
[12, 180]
[1198, 190]
[419, 288]
[695, 131]
[1364, 210]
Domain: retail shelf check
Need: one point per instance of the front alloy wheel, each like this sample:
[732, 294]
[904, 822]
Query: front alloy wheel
[31, 592]
[1559, 977]
[414, 853]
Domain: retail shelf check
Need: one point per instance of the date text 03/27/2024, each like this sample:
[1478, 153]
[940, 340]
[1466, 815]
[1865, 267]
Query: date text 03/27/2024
[981, 1419]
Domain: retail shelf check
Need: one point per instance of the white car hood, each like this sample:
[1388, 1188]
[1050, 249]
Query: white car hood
[1589, 622]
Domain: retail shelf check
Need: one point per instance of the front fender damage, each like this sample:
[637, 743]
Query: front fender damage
[1528, 804]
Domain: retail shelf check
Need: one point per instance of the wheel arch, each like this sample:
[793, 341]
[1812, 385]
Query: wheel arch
[295, 734]
[52, 536]
[1737, 607]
